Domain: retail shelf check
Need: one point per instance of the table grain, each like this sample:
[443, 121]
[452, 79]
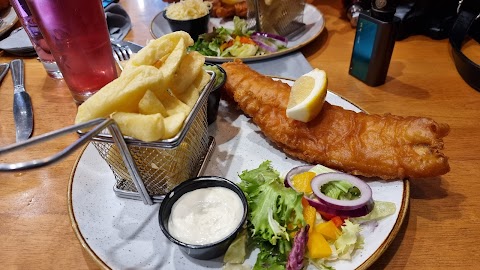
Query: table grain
[441, 229]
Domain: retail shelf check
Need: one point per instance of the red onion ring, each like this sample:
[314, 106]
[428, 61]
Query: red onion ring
[265, 46]
[269, 42]
[270, 35]
[334, 207]
[359, 212]
[365, 191]
[294, 171]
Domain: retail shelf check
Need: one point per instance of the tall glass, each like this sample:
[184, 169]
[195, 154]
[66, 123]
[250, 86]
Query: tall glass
[77, 34]
[38, 42]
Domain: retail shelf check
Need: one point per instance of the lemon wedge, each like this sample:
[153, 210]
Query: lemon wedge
[307, 96]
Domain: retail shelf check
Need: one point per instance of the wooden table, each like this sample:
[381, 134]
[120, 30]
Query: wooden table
[441, 230]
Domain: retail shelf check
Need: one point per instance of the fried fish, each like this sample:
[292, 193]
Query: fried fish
[385, 146]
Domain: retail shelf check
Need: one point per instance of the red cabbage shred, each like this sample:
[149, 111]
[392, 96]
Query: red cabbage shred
[295, 258]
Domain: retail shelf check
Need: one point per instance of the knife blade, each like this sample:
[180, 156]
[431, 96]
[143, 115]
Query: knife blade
[3, 70]
[22, 104]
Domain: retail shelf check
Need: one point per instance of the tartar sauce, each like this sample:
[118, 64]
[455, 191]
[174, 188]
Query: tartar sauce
[205, 215]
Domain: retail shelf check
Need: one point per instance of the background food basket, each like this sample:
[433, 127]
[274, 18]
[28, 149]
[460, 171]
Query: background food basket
[163, 164]
[282, 17]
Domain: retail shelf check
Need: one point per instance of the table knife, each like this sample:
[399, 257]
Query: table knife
[22, 104]
[3, 70]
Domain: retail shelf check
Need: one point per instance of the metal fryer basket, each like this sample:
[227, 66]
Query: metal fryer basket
[161, 165]
[160, 168]
[282, 17]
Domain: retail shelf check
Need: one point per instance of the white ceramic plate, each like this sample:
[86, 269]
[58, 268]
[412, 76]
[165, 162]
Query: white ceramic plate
[124, 234]
[9, 18]
[312, 17]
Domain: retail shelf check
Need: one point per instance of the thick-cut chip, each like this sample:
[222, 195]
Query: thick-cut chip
[157, 49]
[145, 127]
[200, 82]
[155, 92]
[190, 96]
[160, 61]
[173, 61]
[187, 72]
[172, 104]
[150, 104]
[122, 94]
[173, 124]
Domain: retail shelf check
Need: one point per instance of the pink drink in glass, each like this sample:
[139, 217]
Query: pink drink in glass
[77, 34]
[38, 42]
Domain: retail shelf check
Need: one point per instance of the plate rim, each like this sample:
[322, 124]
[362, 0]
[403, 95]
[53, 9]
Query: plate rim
[403, 209]
[365, 265]
[10, 23]
[393, 233]
[217, 59]
[71, 214]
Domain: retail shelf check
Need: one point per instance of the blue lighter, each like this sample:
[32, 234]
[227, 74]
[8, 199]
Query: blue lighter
[373, 44]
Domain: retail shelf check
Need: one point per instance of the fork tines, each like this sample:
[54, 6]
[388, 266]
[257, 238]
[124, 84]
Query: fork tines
[121, 53]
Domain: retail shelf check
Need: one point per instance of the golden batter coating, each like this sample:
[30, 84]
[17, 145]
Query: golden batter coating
[385, 146]
[222, 10]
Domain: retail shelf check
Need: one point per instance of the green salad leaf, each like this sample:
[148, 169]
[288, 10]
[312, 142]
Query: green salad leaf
[274, 211]
[340, 190]
[380, 210]
[269, 260]
[240, 27]
[237, 250]
[210, 44]
[240, 50]
[349, 240]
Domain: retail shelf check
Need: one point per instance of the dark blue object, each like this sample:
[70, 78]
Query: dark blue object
[372, 49]
[108, 2]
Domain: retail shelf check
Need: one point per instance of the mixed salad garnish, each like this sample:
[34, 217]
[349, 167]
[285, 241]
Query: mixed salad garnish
[238, 42]
[313, 216]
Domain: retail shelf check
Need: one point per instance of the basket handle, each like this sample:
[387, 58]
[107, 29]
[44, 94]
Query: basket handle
[100, 124]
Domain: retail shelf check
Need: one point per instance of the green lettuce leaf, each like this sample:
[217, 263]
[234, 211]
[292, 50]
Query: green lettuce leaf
[240, 27]
[237, 250]
[268, 260]
[274, 211]
[349, 240]
[240, 50]
[319, 169]
[209, 44]
[380, 210]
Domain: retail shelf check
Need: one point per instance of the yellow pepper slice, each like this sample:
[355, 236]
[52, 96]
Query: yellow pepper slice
[318, 246]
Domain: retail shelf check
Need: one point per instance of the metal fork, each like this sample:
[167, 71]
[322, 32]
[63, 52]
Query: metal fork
[121, 53]
[98, 125]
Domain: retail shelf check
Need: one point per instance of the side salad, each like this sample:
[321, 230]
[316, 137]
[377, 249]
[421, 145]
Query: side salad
[291, 230]
[238, 42]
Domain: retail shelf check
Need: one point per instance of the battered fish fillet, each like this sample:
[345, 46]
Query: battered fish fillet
[388, 146]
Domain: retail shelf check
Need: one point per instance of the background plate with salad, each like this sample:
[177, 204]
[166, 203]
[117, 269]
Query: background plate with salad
[313, 18]
[120, 233]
